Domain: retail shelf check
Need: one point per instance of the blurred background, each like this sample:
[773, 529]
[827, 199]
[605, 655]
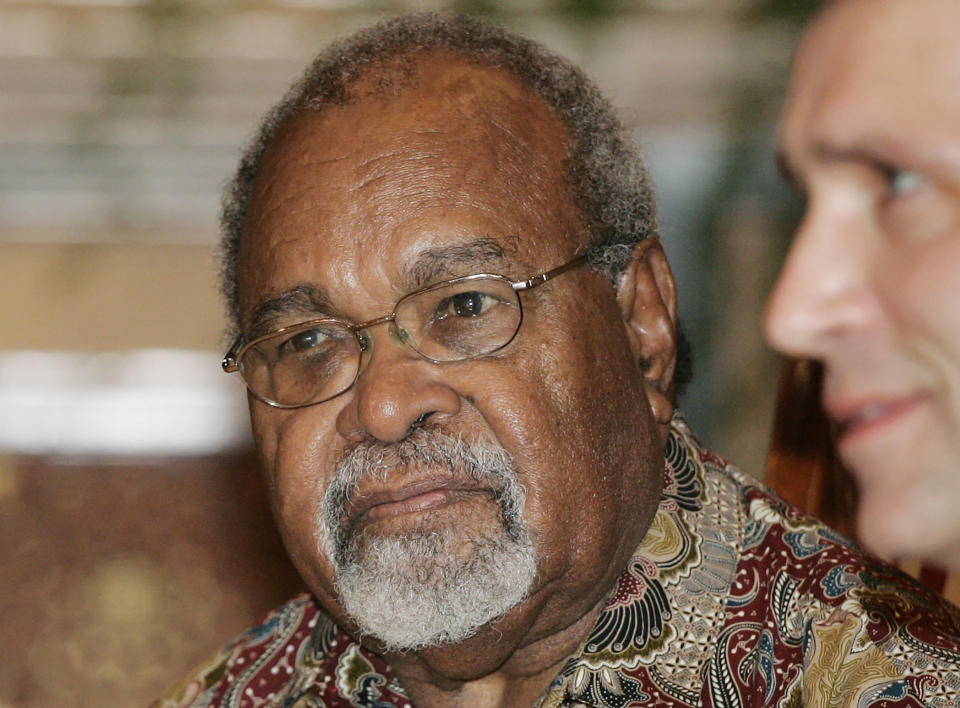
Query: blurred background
[134, 535]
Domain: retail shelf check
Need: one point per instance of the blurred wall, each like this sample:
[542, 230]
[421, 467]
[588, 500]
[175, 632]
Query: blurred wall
[130, 509]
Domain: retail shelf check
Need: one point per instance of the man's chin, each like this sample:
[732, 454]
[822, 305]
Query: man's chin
[430, 589]
[887, 523]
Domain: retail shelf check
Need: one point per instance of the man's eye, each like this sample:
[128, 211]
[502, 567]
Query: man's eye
[915, 208]
[903, 182]
[470, 304]
[303, 341]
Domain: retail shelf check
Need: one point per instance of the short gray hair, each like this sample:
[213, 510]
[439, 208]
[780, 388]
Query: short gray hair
[606, 177]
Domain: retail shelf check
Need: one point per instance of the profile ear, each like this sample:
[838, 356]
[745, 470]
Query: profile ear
[647, 297]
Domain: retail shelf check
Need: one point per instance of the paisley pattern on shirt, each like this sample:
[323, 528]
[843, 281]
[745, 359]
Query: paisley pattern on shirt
[733, 599]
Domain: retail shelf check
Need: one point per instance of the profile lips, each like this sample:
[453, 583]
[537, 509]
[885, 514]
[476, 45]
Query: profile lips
[848, 418]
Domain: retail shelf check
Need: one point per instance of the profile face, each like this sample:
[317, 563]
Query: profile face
[871, 287]
[459, 172]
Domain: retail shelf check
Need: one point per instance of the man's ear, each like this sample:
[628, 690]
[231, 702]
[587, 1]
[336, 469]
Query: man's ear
[647, 297]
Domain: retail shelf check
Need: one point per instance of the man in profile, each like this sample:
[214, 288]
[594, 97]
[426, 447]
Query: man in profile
[871, 136]
[458, 331]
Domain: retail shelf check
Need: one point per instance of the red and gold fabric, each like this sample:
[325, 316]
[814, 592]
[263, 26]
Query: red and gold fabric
[734, 599]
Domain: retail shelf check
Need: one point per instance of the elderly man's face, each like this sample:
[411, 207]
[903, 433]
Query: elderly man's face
[527, 476]
[871, 134]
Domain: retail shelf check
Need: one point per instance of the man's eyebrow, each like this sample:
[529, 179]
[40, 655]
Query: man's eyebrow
[306, 301]
[856, 153]
[827, 153]
[443, 262]
[300, 302]
[879, 152]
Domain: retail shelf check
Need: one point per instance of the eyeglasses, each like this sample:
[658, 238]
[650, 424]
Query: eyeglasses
[454, 320]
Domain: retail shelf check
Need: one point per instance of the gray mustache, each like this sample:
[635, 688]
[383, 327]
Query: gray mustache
[483, 463]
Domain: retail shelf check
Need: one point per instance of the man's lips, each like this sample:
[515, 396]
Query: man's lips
[859, 418]
[377, 504]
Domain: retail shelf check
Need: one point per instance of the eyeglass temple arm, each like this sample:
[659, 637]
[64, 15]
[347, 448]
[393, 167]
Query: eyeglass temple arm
[544, 277]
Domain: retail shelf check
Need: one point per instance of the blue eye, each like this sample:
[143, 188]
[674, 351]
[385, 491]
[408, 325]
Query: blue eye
[904, 181]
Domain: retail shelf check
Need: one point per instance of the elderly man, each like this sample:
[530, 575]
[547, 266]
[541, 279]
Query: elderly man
[871, 135]
[457, 328]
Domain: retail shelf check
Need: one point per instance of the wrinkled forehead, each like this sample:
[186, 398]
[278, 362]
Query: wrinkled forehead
[438, 137]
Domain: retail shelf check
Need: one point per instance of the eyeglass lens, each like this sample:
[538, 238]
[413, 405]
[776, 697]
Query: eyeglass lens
[303, 364]
[456, 321]
[449, 322]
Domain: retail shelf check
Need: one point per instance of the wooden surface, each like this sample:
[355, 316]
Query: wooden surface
[118, 576]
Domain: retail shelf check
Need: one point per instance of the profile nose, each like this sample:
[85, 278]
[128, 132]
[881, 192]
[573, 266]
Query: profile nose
[395, 391]
[822, 292]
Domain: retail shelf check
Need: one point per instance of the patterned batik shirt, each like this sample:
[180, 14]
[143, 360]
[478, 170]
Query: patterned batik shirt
[733, 599]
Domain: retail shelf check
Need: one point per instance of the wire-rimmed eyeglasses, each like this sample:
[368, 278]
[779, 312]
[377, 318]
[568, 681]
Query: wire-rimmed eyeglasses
[454, 320]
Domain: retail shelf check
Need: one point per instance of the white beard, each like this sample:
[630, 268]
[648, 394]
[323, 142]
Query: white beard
[431, 586]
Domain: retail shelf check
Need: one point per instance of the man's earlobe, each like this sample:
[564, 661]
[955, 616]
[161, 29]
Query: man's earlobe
[647, 298]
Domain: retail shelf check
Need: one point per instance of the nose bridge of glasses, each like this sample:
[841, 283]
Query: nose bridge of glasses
[397, 333]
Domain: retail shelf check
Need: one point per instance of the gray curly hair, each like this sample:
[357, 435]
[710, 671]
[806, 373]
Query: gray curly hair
[606, 176]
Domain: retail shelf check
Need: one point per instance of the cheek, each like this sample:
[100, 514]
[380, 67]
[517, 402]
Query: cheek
[922, 289]
[574, 416]
[295, 458]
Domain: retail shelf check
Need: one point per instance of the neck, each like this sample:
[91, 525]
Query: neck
[499, 668]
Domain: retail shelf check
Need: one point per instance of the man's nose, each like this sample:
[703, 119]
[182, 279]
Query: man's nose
[395, 391]
[822, 294]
